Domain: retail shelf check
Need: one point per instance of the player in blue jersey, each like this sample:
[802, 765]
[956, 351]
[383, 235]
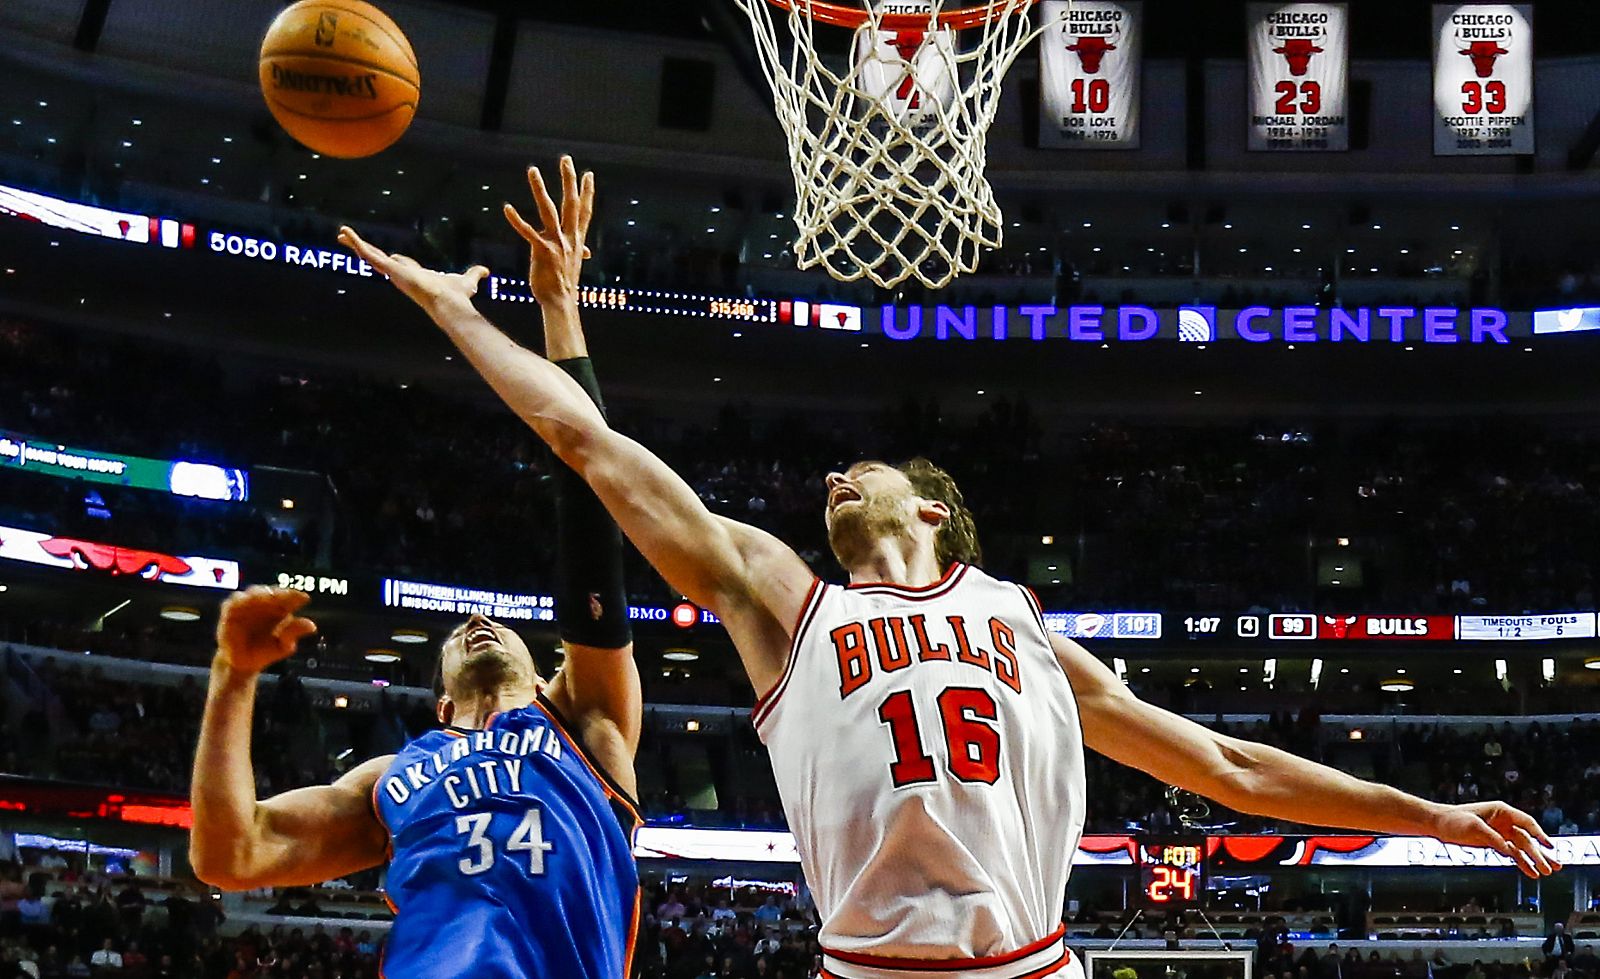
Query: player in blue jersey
[508, 831]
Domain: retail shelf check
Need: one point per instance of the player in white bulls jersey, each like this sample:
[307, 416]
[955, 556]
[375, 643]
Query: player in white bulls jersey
[923, 726]
[942, 817]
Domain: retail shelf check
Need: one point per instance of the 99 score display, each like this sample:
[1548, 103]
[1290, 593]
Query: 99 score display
[1171, 872]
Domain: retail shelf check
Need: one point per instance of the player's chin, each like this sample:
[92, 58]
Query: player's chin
[488, 657]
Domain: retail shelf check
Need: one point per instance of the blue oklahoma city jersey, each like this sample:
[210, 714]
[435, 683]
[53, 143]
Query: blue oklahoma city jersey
[512, 855]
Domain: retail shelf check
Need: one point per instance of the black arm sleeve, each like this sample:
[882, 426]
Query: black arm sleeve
[591, 601]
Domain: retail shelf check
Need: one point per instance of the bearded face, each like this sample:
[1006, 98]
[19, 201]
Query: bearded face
[869, 503]
[483, 656]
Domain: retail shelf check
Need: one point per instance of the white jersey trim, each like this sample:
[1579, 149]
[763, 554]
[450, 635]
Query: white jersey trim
[1042, 958]
[808, 612]
[949, 580]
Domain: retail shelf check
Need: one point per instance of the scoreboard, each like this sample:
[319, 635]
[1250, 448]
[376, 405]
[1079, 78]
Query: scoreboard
[1320, 627]
[1171, 871]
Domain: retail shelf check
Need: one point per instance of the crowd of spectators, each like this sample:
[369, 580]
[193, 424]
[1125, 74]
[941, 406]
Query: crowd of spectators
[694, 931]
[101, 926]
[59, 920]
[1470, 515]
[1552, 772]
[1543, 285]
[77, 724]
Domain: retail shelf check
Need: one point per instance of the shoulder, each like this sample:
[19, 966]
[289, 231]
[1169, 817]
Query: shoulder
[361, 779]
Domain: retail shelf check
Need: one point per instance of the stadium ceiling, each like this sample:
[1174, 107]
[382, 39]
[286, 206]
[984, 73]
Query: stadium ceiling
[1205, 28]
[83, 140]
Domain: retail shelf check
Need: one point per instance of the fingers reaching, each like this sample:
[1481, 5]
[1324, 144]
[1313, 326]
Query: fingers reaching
[280, 601]
[1527, 823]
[585, 206]
[373, 256]
[291, 600]
[291, 630]
[548, 215]
[571, 205]
[1524, 861]
[519, 225]
[1524, 841]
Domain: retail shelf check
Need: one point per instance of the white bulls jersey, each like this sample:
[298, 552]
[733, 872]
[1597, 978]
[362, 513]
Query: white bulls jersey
[927, 746]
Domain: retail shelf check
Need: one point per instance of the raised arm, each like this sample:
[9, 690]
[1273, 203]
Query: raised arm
[598, 688]
[306, 836]
[752, 581]
[1264, 781]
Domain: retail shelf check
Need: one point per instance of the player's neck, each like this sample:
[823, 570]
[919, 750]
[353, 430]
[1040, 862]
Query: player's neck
[474, 713]
[908, 563]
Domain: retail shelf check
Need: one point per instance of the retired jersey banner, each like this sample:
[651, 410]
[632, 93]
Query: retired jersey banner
[1089, 72]
[911, 74]
[1482, 79]
[1299, 85]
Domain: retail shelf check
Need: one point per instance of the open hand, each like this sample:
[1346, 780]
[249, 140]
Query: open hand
[423, 286]
[1504, 829]
[557, 249]
[260, 627]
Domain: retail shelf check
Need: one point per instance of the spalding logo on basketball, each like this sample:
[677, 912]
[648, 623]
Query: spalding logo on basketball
[339, 76]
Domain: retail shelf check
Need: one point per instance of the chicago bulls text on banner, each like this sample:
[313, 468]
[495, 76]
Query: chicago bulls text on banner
[1299, 85]
[1090, 67]
[1482, 79]
[911, 74]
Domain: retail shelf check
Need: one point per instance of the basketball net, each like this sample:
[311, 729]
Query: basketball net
[888, 152]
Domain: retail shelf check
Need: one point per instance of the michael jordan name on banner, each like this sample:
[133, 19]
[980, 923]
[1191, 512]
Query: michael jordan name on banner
[1482, 79]
[1299, 76]
[1090, 71]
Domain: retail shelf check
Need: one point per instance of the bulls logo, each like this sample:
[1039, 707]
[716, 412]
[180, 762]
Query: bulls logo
[1298, 51]
[1484, 54]
[327, 28]
[1339, 627]
[906, 44]
[114, 560]
[1091, 51]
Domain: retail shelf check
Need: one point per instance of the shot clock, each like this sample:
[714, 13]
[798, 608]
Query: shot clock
[1171, 871]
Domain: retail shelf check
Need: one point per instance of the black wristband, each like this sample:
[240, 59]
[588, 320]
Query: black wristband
[581, 369]
[591, 600]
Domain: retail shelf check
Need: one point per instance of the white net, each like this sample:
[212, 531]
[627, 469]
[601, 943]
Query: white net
[888, 140]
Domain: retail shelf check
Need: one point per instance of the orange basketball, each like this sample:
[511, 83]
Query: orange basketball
[339, 76]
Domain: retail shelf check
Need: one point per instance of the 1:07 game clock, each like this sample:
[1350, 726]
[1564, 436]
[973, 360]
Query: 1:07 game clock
[1171, 871]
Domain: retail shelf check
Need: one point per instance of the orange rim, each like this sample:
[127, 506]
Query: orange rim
[842, 15]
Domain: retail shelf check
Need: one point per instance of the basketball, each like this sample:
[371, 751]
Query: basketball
[339, 76]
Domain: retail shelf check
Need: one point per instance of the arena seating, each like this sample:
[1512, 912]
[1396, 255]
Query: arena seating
[1490, 516]
[136, 730]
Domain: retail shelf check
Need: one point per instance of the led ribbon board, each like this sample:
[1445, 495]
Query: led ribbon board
[92, 557]
[178, 477]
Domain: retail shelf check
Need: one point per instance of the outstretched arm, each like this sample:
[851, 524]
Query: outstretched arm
[752, 581]
[598, 688]
[1264, 781]
[306, 836]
